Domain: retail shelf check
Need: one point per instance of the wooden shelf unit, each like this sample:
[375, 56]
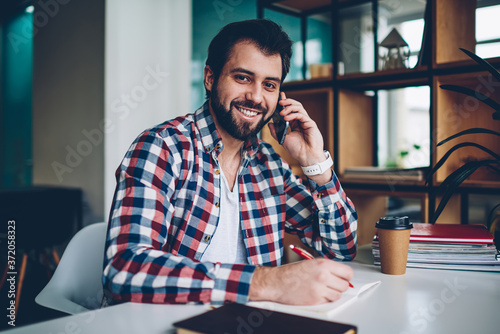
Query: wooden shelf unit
[351, 132]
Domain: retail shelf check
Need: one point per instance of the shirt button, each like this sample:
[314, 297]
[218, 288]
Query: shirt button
[217, 171]
[322, 221]
[207, 238]
[218, 146]
[217, 204]
[320, 195]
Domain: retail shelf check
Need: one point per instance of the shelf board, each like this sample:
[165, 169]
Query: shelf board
[472, 187]
[386, 79]
[300, 6]
[399, 186]
[304, 8]
[308, 84]
[366, 81]
[464, 66]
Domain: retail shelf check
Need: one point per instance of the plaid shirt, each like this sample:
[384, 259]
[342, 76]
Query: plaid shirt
[166, 210]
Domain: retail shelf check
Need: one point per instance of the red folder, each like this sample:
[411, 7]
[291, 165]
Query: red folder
[451, 233]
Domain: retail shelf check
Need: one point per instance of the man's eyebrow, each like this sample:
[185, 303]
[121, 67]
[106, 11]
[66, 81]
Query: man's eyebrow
[242, 70]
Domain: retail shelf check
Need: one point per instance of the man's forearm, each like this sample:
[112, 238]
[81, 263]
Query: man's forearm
[153, 276]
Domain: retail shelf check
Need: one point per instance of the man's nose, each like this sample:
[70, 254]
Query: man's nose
[254, 93]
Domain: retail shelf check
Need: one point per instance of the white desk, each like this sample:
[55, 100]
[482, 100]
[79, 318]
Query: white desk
[422, 301]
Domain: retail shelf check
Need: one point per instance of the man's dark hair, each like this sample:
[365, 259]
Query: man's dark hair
[267, 35]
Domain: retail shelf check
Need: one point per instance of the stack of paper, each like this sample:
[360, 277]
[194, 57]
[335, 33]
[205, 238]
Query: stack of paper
[449, 246]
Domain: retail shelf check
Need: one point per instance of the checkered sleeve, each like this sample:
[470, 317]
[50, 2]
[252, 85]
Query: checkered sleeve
[322, 216]
[139, 265]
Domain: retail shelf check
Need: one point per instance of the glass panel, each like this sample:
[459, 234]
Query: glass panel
[405, 206]
[484, 209]
[319, 46]
[403, 127]
[292, 27]
[356, 49]
[487, 33]
[407, 18]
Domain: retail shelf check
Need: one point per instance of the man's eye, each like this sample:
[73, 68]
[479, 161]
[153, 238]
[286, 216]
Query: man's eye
[241, 78]
[270, 85]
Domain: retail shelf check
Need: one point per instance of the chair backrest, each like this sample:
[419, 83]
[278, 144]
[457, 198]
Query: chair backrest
[76, 285]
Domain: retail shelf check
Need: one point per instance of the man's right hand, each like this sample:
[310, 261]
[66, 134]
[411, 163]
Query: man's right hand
[307, 282]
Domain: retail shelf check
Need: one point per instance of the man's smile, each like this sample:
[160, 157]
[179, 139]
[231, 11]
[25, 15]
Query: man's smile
[247, 112]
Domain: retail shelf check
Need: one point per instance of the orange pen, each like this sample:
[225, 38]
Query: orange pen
[308, 256]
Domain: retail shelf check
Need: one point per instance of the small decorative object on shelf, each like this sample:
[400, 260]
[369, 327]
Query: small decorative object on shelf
[320, 70]
[397, 53]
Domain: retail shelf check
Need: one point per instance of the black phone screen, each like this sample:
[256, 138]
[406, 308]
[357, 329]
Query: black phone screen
[280, 125]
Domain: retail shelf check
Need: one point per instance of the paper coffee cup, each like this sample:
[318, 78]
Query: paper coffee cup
[394, 240]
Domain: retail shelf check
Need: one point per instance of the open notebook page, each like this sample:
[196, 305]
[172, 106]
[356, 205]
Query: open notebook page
[348, 297]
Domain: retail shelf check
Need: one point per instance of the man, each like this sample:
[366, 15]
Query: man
[201, 204]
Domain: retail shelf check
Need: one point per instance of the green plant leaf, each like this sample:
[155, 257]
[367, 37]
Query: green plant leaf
[468, 131]
[473, 93]
[484, 64]
[460, 174]
[494, 168]
[453, 149]
[455, 179]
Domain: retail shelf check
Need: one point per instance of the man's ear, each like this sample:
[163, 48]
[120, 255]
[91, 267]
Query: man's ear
[208, 78]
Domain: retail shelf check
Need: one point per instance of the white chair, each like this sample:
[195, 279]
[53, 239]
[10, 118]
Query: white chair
[76, 285]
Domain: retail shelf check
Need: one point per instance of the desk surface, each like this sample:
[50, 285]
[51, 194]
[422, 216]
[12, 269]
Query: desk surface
[422, 301]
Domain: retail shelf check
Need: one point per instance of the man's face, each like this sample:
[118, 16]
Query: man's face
[246, 93]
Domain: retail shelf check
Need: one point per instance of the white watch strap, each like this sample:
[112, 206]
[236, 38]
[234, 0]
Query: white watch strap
[319, 168]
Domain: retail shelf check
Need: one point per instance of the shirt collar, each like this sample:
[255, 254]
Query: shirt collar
[210, 136]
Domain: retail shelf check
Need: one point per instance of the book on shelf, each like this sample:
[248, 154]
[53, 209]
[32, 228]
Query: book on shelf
[326, 309]
[240, 318]
[384, 173]
[449, 246]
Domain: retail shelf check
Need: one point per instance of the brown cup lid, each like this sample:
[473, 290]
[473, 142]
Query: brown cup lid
[394, 223]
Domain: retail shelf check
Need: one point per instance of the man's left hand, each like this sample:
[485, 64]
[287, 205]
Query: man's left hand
[304, 142]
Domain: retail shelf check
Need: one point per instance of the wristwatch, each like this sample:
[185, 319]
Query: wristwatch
[319, 168]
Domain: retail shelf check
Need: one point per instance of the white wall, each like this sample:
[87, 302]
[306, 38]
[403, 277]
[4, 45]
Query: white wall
[147, 73]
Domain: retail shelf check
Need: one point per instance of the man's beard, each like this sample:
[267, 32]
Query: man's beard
[228, 121]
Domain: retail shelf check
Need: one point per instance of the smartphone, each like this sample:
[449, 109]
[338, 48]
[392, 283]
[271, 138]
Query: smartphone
[280, 125]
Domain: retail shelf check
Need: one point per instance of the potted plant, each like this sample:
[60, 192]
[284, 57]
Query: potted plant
[449, 186]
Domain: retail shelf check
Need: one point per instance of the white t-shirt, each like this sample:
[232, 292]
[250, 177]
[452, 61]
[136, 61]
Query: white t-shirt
[227, 245]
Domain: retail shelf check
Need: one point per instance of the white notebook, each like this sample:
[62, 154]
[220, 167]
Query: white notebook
[348, 297]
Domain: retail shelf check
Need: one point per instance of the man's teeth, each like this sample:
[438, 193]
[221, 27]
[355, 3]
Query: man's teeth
[248, 113]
